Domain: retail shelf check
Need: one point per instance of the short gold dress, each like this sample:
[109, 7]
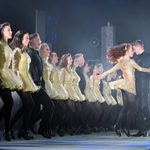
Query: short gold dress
[21, 63]
[8, 78]
[96, 89]
[127, 66]
[88, 92]
[67, 78]
[119, 97]
[58, 86]
[107, 94]
[47, 70]
[76, 81]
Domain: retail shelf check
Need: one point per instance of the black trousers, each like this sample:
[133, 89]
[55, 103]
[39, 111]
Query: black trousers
[143, 103]
[41, 98]
[7, 107]
[25, 111]
[142, 86]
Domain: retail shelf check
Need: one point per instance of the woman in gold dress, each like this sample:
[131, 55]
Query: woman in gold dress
[95, 85]
[55, 78]
[53, 88]
[94, 104]
[67, 78]
[47, 69]
[95, 81]
[8, 79]
[111, 104]
[120, 57]
[62, 93]
[20, 65]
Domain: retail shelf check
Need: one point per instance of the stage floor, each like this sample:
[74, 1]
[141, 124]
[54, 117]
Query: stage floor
[97, 141]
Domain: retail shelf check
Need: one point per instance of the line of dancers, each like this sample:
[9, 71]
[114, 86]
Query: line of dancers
[66, 95]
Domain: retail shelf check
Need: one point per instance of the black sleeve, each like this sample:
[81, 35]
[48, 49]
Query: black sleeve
[36, 69]
[145, 62]
[82, 81]
[31, 67]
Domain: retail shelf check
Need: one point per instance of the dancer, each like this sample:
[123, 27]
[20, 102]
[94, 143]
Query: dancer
[56, 93]
[142, 85]
[95, 112]
[62, 109]
[40, 97]
[120, 57]
[8, 79]
[81, 104]
[67, 78]
[21, 64]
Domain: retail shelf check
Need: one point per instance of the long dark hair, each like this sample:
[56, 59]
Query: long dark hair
[17, 39]
[1, 29]
[116, 52]
[63, 60]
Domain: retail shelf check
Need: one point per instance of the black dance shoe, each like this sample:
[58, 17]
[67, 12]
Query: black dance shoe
[25, 135]
[52, 133]
[7, 135]
[33, 130]
[126, 131]
[140, 133]
[61, 132]
[84, 131]
[12, 134]
[46, 134]
[117, 130]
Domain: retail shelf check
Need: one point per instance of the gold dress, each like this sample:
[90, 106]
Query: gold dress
[21, 63]
[8, 77]
[96, 89]
[127, 66]
[107, 94]
[47, 69]
[67, 78]
[119, 97]
[58, 86]
[76, 81]
[88, 92]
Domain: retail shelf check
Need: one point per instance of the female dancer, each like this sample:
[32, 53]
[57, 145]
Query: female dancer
[120, 57]
[21, 63]
[62, 94]
[108, 117]
[47, 68]
[54, 89]
[8, 79]
[94, 104]
[95, 82]
[67, 78]
[55, 77]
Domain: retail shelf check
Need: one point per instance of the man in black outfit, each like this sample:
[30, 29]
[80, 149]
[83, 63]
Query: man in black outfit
[40, 97]
[142, 86]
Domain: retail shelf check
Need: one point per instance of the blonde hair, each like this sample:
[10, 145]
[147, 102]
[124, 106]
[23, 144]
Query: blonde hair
[76, 56]
[43, 46]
